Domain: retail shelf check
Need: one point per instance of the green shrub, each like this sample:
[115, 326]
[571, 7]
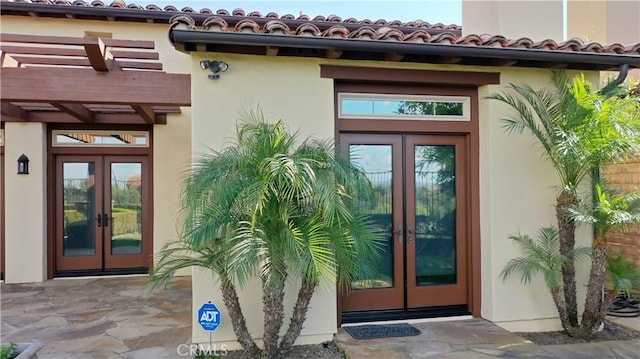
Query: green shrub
[72, 216]
[124, 221]
[9, 352]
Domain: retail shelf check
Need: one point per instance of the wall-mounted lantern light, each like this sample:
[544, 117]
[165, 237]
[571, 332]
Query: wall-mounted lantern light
[23, 165]
[216, 68]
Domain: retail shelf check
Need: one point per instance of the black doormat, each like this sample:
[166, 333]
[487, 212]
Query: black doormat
[382, 331]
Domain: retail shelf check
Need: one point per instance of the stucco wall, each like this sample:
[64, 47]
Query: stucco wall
[172, 142]
[516, 183]
[289, 89]
[535, 19]
[26, 203]
[517, 194]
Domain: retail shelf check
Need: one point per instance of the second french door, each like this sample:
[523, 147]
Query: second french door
[102, 214]
[420, 201]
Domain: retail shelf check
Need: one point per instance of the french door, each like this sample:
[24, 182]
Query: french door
[102, 214]
[420, 201]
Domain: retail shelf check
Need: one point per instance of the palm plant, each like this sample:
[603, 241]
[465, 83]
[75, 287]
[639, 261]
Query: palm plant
[624, 278]
[579, 131]
[274, 207]
[552, 117]
[611, 211]
[542, 256]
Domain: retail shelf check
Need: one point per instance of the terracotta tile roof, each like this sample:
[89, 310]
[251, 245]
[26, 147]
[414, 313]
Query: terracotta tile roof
[230, 16]
[390, 33]
[332, 36]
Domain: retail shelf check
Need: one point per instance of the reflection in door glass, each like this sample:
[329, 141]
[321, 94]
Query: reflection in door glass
[435, 215]
[78, 182]
[375, 160]
[126, 208]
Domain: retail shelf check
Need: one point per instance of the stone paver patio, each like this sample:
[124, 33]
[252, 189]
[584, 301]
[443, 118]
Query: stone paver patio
[477, 339]
[98, 318]
[113, 318]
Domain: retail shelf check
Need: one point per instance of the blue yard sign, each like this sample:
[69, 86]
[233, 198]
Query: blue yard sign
[209, 317]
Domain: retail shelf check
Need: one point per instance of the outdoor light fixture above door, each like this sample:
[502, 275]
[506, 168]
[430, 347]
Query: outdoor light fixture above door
[215, 66]
[23, 165]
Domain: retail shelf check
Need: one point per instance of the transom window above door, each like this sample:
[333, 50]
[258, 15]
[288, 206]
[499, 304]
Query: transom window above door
[102, 138]
[403, 107]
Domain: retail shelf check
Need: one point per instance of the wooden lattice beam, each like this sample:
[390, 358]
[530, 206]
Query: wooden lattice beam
[145, 112]
[76, 110]
[85, 86]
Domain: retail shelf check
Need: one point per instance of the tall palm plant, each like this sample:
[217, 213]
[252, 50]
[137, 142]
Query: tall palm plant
[542, 256]
[275, 207]
[553, 117]
[624, 278]
[579, 131]
[612, 211]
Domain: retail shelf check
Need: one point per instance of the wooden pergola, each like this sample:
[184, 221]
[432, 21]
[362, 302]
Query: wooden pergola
[87, 80]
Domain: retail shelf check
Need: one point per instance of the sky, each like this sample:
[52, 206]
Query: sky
[432, 11]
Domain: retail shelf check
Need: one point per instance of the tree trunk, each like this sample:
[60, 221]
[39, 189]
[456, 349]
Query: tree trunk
[299, 315]
[273, 308]
[561, 306]
[230, 298]
[607, 302]
[566, 232]
[594, 300]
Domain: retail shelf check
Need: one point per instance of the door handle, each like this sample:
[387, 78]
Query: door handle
[99, 220]
[106, 220]
[409, 234]
[399, 233]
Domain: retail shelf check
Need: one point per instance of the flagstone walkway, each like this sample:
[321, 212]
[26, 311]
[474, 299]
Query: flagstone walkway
[98, 318]
[477, 339]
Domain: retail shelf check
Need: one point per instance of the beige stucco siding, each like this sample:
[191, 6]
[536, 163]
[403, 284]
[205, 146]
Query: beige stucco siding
[535, 19]
[517, 193]
[516, 182]
[289, 89]
[25, 203]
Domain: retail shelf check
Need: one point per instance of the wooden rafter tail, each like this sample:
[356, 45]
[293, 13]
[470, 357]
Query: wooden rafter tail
[76, 110]
[96, 54]
[130, 44]
[49, 51]
[59, 61]
[139, 65]
[140, 55]
[146, 112]
[14, 112]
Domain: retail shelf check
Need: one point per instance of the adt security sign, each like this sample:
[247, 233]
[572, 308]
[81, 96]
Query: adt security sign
[209, 317]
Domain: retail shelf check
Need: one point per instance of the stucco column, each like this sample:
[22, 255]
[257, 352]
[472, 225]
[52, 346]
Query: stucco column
[25, 203]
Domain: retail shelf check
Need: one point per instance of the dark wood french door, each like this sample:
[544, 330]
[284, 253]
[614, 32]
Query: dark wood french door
[102, 208]
[420, 200]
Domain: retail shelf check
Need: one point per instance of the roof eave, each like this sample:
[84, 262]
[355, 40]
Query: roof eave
[163, 16]
[584, 60]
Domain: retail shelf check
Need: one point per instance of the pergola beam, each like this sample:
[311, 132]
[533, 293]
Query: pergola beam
[145, 112]
[86, 86]
[14, 112]
[76, 110]
[95, 50]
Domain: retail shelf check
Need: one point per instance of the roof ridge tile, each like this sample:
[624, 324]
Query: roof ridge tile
[247, 25]
[215, 23]
[336, 31]
[276, 27]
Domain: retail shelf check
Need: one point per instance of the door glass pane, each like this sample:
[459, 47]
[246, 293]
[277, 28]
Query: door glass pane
[126, 208]
[375, 160]
[435, 215]
[79, 225]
